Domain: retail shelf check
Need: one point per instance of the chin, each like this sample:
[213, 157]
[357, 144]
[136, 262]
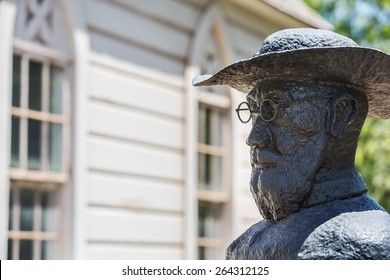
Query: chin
[278, 192]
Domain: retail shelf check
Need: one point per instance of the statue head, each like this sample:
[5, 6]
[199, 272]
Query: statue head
[308, 94]
[303, 132]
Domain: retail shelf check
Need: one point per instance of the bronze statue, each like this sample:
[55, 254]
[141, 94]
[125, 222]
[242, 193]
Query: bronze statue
[308, 94]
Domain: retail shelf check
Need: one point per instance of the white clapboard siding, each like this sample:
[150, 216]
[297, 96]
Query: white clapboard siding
[126, 192]
[128, 90]
[248, 208]
[245, 162]
[118, 225]
[244, 178]
[126, 124]
[249, 214]
[114, 156]
[198, 3]
[106, 44]
[244, 149]
[135, 123]
[250, 21]
[134, 27]
[252, 41]
[121, 251]
[244, 152]
[185, 15]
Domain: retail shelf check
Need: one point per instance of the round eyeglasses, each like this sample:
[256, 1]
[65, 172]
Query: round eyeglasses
[267, 109]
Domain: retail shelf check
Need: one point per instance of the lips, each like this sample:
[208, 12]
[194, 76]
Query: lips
[263, 166]
[262, 159]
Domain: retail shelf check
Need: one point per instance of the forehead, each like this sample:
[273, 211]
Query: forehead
[288, 89]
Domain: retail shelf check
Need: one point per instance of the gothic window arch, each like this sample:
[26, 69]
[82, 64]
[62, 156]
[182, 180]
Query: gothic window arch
[212, 114]
[40, 130]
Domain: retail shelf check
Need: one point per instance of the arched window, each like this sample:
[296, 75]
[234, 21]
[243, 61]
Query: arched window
[40, 120]
[212, 114]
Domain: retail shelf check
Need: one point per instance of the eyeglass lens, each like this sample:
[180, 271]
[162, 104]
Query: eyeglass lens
[244, 112]
[268, 110]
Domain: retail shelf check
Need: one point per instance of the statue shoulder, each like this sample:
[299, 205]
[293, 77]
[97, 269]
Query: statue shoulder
[240, 249]
[352, 235]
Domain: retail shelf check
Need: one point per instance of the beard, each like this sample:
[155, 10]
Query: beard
[281, 189]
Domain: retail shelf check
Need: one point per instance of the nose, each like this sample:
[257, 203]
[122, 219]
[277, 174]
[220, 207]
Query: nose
[260, 135]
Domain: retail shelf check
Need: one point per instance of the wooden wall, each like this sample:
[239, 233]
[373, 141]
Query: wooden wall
[135, 128]
[132, 130]
[136, 120]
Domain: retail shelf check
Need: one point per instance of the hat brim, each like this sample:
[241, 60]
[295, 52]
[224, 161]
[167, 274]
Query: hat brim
[365, 68]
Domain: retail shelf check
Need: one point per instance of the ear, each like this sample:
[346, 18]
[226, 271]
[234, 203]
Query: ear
[343, 114]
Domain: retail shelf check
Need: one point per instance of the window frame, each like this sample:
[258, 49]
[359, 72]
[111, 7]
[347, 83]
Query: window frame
[219, 101]
[43, 179]
[45, 118]
[36, 235]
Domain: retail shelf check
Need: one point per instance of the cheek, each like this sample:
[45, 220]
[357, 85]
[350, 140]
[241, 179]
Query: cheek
[287, 142]
[295, 131]
[308, 120]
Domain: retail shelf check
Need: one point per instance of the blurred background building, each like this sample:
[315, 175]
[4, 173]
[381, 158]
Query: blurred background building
[107, 151]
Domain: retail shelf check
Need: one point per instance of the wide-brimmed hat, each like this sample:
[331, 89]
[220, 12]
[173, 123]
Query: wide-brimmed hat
[316, 55]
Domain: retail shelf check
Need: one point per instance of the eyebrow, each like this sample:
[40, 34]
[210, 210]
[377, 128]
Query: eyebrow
[251, 95]
[306, 99]
[270, 94]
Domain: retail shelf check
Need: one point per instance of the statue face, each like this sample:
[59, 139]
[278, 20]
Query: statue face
[287, 151]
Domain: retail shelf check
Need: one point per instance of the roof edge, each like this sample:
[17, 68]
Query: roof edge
[293, 9]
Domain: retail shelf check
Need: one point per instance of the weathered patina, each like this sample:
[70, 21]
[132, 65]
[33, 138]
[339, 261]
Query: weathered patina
[308, 93]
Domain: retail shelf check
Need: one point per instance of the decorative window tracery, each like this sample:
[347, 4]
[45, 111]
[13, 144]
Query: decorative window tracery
[39, 20]
[43, 23]
[211, 60]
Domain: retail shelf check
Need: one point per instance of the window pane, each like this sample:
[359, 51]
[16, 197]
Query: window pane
[201, 253]
[26, 209]
[35, 86]
[209, 217]
[34, 144]
[201, 171]
[55, 147]
[16, 80]
[205, 253]
[9, 249]
[10, 210]
[216, 175]
[48, 211]
[56, 75]
[218, 126]
[206, 126]
[211, 126]
[210, 172]
[47, 250]
[202, 123]
[202, 215]
[26, 250]
[15, 141]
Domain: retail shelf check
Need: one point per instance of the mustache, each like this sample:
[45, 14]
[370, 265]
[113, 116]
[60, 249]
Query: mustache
[264, 157]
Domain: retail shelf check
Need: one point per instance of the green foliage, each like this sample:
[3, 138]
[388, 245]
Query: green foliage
[364, 21]
[368, 23]
[373, 159]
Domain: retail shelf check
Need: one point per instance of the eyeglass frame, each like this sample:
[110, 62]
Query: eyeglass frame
[275, 105]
